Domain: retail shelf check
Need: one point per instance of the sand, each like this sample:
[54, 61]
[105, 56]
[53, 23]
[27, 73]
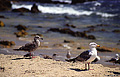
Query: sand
[17, 66]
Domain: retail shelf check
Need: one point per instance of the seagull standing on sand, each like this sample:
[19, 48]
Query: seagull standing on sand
[68, 55]
[30, 47]
[87, 56]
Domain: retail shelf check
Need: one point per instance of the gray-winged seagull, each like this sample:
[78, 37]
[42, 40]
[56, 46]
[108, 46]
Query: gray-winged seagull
[29, 47]
[68, 55]
[115, 59]
[87, 56]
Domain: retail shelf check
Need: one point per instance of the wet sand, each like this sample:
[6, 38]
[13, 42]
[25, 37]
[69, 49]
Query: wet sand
[17, 66]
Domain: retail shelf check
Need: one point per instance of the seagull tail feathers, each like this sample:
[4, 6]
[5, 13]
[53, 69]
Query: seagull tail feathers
[71, 60]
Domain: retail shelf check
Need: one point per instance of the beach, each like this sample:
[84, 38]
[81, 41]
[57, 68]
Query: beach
[60, 25]
[17, 66]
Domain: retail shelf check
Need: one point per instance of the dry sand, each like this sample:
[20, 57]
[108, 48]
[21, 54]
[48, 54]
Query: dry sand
[16, 66]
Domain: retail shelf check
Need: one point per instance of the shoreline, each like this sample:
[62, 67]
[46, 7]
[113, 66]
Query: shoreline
[15, 65]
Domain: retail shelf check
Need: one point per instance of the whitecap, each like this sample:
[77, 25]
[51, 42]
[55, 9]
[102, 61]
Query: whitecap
[63, 10]
[15, 6]
[106, 14]
[97, 4]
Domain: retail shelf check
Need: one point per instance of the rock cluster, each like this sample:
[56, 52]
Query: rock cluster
[34, 9]
[22, 31]
[69, 31]
[7, 44]
[21, 27]
[5, 5]
[2, 24]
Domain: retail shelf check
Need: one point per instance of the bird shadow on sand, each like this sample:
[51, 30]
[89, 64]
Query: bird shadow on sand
[20, 58]
[78, 70]
[117, 73]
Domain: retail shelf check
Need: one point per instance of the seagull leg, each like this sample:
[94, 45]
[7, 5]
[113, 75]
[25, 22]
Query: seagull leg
[30, 55]
[85, 66]
[33, 55]
[89, 67]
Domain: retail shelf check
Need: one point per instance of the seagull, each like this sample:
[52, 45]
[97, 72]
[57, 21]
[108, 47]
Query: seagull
[49, 57]
[30, 47]
[87, 56]
[115, 59]
[96, 59]
[68, 55]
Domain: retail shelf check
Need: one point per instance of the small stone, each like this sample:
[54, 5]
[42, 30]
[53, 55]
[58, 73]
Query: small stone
[2, 24]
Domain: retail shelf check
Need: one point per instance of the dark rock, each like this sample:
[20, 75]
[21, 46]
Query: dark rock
[80, 1]
[67, 41]
[103, 50]
[21, 27]
[102, 30]
[91, 26]
[66, 31]
[37, 34]
[116, 31]
[44, 1]
[21, 33]
[70, 32]
[91, 37]
[34, 9]
[2, 24]
[79, 48]
[5, 5]
[7, 43]
[68, 25]
[80, 34]
[2, 16]
[21, 10]
[90, 30]
[102, 25]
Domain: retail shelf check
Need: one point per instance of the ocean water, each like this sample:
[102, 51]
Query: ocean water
[80, 15]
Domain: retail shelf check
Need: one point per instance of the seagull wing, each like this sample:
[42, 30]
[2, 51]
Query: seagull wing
[84, 56]
[28, 47]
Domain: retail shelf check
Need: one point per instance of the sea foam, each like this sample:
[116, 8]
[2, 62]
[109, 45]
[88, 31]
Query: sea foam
[61, 9]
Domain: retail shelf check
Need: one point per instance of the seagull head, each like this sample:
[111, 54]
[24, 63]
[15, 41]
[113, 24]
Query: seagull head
[93, 45]
[38, 37]
[117, 55]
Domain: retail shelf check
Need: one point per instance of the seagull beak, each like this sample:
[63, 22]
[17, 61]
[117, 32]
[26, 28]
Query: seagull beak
[98, 45]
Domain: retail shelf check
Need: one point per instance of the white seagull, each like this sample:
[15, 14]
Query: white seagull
[87, 56]
[30, 47]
